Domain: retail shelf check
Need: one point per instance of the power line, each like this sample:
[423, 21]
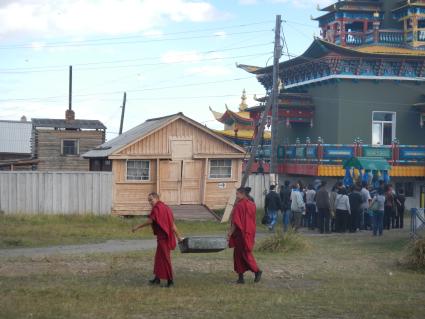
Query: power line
[163, 34]
[60, 67]
[132, 91]
[82, 43]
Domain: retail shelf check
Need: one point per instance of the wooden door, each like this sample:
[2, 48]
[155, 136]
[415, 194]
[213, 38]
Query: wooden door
[191, 182]
[170, 181]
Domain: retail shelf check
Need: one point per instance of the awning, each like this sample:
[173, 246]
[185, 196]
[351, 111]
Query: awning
[368, 163]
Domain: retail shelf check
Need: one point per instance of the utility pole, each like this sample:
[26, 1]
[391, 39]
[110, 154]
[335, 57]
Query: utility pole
[275, 97]
[122, 112]
[270, 101]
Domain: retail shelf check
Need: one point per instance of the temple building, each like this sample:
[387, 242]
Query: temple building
[360, 93]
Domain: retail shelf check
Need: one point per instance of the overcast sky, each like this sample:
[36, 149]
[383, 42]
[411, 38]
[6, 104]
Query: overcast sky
[168, 55]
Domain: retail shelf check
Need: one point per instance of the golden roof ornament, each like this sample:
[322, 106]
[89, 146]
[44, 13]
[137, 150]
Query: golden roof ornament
[243, 106]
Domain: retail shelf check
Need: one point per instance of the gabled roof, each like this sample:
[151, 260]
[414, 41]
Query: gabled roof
[15, 137]
[145, 129]
[71, 124]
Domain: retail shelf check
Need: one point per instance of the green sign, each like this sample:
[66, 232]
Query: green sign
[381, 152]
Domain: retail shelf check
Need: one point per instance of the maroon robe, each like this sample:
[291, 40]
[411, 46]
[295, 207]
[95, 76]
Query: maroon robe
[243, 238]
[162, 226]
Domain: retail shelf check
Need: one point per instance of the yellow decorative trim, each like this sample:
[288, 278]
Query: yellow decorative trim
[244, 134]
[390, 50]
[407, 171]
[330, 170]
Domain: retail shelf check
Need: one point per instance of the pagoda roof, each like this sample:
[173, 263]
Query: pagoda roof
[229, 117]
[340, 5]
[243, 134]
[320, 48]
[407, 4]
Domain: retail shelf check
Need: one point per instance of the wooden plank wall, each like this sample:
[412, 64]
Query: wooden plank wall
[56, 192]
[159, 142]
[130, 197]
[48, 149]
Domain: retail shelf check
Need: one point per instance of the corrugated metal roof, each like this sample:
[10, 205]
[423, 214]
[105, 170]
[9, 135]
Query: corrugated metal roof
[15, 137]
[131, 135]
[74, 124]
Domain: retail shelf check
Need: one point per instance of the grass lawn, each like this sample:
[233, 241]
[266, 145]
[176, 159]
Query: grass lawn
[44, 230]
[339, 276]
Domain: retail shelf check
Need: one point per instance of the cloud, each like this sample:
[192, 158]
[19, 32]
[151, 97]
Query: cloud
[306, 3]
[112, 17]
[209, 70]
[189, 56]
[296, 3]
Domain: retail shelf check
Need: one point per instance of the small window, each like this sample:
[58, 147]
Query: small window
[220, 168]
[70, 147]
[138, 170]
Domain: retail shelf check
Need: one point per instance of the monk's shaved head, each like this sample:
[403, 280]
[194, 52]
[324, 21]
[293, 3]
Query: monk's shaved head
[154, 195]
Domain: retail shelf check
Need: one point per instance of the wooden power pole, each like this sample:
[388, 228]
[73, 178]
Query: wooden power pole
[272, 100]
[122, 112]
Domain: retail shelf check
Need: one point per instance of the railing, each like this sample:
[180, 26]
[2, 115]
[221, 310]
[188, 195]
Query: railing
[336, 153]
[390, 37]
[417, 221]
[354, 38]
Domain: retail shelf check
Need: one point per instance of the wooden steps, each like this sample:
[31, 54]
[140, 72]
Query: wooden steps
[193, 212]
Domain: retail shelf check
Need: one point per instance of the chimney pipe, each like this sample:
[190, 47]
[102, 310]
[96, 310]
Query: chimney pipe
[70, 88]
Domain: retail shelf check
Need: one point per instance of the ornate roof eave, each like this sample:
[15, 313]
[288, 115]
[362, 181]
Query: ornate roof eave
[336, 6]
[232, 116]
[409, 4]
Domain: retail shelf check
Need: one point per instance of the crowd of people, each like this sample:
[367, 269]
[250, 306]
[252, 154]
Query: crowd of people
[343, 209]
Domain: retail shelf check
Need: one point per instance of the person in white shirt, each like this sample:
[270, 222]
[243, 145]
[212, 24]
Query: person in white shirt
[342, 205]
[310, 208]
[297, 206]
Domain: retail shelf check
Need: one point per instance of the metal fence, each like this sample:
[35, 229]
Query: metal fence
[56, 192]
[417, 221]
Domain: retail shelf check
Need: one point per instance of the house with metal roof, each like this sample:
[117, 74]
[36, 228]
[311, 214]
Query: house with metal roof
[175, 156]
[15, 145]
[57, 144]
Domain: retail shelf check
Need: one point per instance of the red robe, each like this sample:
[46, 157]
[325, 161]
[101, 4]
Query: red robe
[162, 226]
[243, 238]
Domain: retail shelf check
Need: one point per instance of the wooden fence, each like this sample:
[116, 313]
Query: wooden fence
[56, 192]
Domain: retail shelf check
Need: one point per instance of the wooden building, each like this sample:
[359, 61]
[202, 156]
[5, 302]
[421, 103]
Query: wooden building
[184, 161]
[59, 143]
[15, 145]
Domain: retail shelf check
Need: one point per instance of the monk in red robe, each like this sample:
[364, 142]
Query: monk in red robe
[162, 222]
[242, 236]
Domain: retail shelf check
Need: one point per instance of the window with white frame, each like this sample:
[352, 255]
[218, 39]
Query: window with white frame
[70, 147]
[220, 168]
[383, 127]
[138, 170]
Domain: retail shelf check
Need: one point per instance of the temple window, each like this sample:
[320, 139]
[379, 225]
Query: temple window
[383, 127]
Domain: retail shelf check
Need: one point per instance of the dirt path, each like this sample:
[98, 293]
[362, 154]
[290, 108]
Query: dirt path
[114, 246]
[110, 246]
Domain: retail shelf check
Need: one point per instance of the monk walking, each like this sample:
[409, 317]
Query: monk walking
[242, 236]
[162, 222]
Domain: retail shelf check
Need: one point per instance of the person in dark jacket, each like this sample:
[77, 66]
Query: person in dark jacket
[272, 206]
[285, 200]
[324, 208]
[400, 203]
[355, 204]
[389, 208]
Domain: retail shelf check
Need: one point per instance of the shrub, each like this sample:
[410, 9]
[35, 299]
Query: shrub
[416, 255]
[283, 242]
